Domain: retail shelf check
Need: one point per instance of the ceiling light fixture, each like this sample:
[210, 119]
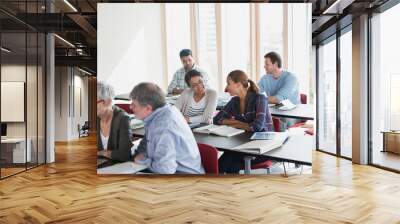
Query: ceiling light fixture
[337, 7]
[64, 40]
[5, 50]
[84, 71]
[331, 8]
[70, 5]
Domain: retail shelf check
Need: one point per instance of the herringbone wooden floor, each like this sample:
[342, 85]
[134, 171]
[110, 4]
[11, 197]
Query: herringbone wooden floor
[69, 191]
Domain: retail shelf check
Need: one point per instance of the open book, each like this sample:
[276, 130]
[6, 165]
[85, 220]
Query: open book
[122, 168]
[263, 146]
[221, 130]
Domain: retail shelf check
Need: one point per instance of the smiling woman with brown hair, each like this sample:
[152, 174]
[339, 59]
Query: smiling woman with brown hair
[248, 110]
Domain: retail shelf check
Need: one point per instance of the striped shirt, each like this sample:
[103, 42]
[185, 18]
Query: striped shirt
[196, 108]
[256, 112]
[178, 81]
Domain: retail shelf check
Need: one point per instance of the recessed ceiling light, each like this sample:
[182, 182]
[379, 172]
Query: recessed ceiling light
[64, 40]
[5, 50]
[84, 71]
[70, 5]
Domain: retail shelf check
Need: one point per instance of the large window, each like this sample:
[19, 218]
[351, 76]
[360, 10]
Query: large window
[177, 22]
[327, 97]
[385, 84]
[334, 137]
[223, 37]
[207, 41]
[299, 46]
[271, 32]
[235, 38]
[346, 94]
[22, 95]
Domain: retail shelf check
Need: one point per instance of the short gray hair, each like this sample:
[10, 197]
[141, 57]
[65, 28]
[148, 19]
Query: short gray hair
[105, 91]
[147, 93]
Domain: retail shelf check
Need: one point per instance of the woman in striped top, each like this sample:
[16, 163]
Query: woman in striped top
[197, 103]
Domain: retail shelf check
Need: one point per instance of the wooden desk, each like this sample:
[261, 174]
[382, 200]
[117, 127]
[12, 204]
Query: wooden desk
[13, 150]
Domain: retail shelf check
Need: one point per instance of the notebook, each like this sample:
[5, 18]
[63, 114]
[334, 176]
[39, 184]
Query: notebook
[267, 135]
[263, 146]
[221, 130]
[122, 168]
[286, 105]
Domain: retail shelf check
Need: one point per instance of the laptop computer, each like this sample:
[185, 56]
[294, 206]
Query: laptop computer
[197, 125]
[103, 161]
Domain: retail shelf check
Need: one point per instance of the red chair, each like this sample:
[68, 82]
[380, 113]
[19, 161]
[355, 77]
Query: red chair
[297, 125]
[277, 124]
[209, 158]
[303, 98]
[125, 107]
[267, 164]
[263, 165]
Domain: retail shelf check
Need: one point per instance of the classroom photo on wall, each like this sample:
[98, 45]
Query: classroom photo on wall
[205, 89]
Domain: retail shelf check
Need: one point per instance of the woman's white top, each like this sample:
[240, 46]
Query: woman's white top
[104, 140]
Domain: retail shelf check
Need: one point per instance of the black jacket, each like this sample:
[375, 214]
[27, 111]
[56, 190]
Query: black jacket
[119, 140]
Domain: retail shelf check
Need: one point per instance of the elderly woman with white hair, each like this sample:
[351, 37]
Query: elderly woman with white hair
[113, 131]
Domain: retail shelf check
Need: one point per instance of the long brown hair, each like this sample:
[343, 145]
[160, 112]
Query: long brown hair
[240, 76]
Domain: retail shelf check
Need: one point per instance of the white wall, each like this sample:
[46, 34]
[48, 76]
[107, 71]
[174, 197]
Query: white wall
[129, 45]
[67, 114]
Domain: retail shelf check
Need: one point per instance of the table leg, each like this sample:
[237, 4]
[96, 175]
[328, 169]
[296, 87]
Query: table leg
[247, 164]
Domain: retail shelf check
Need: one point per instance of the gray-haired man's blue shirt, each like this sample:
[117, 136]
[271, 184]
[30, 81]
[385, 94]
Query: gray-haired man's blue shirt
[170, 144]
[285, 87]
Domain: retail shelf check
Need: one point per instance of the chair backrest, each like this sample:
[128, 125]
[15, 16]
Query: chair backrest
[86, 125]
[277, 124]
[124, 107]
[303, 98]
[209, 158]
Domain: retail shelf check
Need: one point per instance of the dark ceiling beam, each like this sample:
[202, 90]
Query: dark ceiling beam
[337, 7]
[49, 22]
[81, 61]
[91, 5]
[84, 24]
[331, 30]
[319, 23]
[381, 6]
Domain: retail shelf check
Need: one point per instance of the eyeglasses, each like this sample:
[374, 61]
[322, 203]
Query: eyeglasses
[194, 85]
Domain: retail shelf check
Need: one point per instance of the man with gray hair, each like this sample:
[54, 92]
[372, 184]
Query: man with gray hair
[170, 146]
